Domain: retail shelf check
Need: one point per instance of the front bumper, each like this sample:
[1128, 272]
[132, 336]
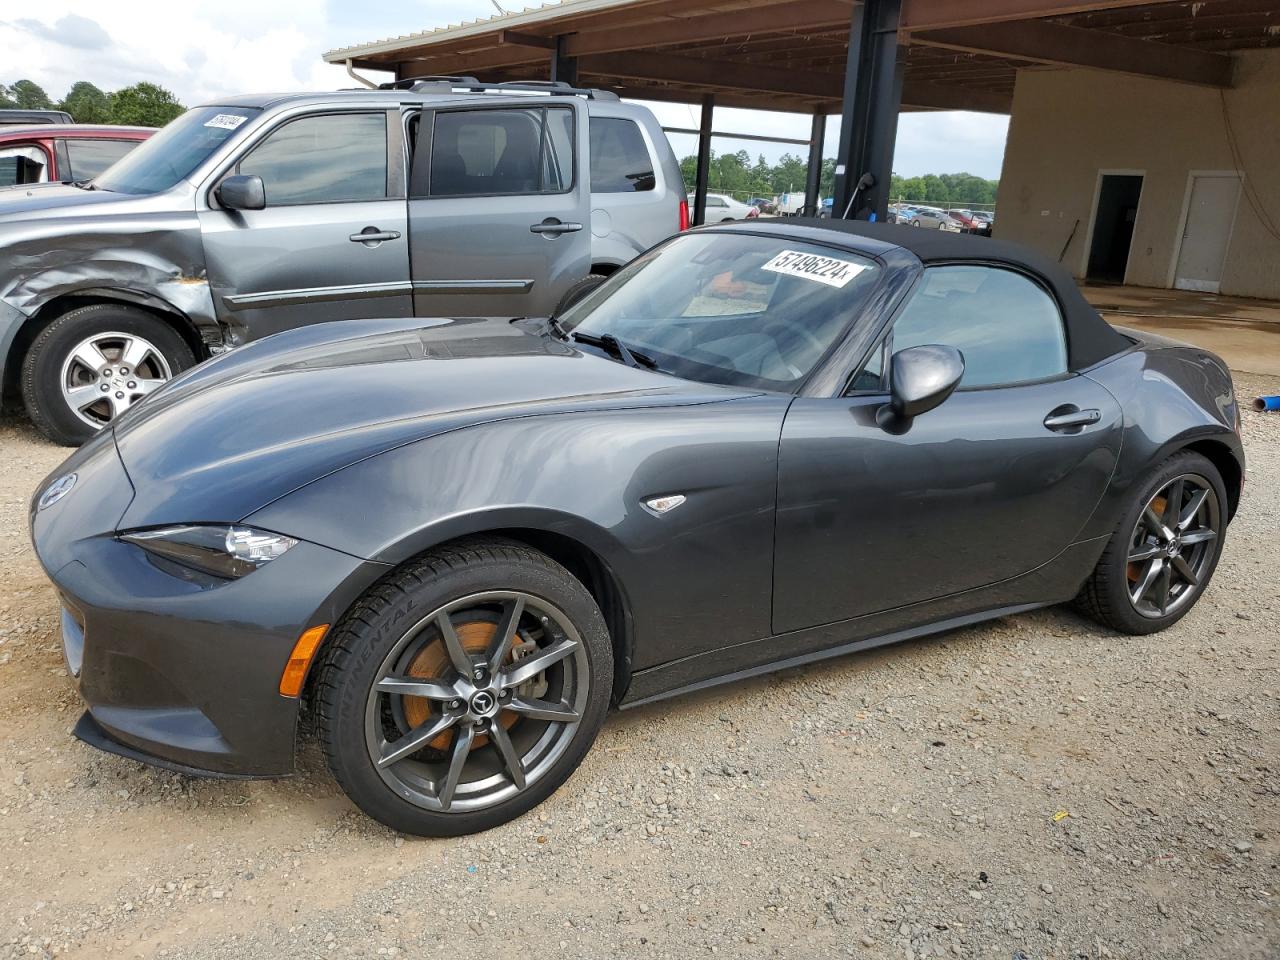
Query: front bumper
[173, 671]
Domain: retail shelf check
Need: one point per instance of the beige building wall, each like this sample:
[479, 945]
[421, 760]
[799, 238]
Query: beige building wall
[1068, 125]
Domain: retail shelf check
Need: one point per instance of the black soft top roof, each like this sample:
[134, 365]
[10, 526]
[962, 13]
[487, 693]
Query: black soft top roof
[1089, 337]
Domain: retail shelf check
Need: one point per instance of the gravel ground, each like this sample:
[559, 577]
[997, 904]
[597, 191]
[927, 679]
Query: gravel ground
[1035, 787]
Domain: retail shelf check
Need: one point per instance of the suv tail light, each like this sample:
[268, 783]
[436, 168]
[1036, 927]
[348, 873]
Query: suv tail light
[684, 214]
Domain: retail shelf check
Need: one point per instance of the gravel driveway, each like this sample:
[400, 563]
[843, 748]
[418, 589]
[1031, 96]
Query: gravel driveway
[1034, 787]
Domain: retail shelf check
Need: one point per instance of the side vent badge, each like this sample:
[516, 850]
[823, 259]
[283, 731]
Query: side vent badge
[660, 505]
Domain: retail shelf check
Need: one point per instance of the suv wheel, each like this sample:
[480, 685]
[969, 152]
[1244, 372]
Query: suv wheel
[93, 363]
[576, 292]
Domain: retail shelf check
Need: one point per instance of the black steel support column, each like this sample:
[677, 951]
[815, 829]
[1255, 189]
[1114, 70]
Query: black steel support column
[698, 214]
[564, 68]
[869, 120]
[813, 181]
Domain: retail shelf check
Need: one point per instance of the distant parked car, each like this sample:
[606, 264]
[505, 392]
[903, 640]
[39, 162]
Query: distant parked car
[39, 153]
[901, 214]
[969, 223]
[9, 117]
[722, 207]
[262, 213]
[935, 219]
[985, 221]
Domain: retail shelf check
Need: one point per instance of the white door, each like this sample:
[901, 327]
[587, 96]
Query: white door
[1207, 232]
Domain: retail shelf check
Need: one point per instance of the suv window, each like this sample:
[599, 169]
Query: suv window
[18, 165]
[90, 157]
[500, 153]
[330, 158]
[620, 161]
[1006, 325]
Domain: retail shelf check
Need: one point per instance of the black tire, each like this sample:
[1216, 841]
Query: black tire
[43, 366]
[579, 290]
[371, 632]
[1105, 596]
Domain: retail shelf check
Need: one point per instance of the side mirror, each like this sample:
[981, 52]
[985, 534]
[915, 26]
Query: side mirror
[920, 378]
[242, 193]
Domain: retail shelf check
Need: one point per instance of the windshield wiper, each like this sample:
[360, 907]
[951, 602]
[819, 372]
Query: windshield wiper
[610, 343]
[86, 184]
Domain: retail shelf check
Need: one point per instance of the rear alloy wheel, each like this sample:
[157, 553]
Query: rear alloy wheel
[1165, 551]
[465, 717]
[92, 364]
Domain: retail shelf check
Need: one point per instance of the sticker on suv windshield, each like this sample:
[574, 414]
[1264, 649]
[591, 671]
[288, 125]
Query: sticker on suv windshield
[227, 121]
[810, 266]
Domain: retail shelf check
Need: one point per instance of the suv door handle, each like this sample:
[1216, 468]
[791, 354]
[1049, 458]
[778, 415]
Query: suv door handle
[1067, 417]
[374, 235]
[554, 227]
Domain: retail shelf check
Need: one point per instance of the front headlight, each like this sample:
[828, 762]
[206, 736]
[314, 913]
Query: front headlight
[228, 552]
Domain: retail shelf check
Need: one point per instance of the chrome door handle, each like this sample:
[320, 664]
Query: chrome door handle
[554, 227]
[1072, 418]
[374, 235]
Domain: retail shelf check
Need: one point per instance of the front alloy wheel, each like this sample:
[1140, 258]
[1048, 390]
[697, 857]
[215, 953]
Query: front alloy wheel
[477, 701]
[463, 688]
[106, 373]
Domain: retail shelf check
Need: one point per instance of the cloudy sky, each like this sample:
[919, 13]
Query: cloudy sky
[206, 50]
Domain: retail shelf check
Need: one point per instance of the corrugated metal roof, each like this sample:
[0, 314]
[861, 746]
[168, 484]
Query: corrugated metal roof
[457, 31]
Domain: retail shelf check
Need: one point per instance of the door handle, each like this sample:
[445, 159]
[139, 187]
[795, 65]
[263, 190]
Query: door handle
[1068, 417]
[554, 227]
[374, 235]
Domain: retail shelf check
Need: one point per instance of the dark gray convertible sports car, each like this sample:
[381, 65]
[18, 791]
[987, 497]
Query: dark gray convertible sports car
[452, 544]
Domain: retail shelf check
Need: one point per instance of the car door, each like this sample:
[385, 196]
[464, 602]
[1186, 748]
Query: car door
[499, 208]
[993, 483]
[332, 242]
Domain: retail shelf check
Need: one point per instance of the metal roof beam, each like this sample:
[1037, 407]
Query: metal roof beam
[1041, 42]
[935, 14]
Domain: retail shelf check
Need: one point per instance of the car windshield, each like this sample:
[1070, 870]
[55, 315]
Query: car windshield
[752, 311]
[175, 152]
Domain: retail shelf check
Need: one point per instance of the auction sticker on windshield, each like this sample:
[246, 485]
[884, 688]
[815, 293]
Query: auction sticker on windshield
[228, 121]
[810, 266]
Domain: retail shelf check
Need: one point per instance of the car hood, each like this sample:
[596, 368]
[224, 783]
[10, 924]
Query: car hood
[246, 428]
[39, 200]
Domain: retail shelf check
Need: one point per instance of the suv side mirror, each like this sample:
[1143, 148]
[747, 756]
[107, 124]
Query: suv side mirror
[242, 193]
[920, 378]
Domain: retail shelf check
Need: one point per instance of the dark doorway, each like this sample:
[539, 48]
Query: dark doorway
[1113, 227]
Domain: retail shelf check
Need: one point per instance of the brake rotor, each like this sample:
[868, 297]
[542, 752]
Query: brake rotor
[1134, 570]
[432, 661]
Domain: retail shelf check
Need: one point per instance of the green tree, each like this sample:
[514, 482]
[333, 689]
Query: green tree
[28, 95]
[87, 104]
[144, 105]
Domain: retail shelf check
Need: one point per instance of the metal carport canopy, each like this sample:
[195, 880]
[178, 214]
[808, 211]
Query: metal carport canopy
[870, 59]
[957, 54]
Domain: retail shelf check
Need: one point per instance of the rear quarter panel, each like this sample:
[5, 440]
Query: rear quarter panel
[1172, 396]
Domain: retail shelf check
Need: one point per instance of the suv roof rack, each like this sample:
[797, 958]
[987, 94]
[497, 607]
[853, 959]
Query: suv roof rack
[432, 84]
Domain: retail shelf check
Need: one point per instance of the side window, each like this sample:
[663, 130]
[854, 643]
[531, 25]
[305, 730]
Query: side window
[620, 161]
[500, 152]
[871, 377]
[334, 158]
[1006, 325]
[90, 157]
[19, 165]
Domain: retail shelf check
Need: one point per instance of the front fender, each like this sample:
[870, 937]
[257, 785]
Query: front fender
[584, 476]
[154, 260]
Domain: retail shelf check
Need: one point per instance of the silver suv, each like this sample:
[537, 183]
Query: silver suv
[433, 197]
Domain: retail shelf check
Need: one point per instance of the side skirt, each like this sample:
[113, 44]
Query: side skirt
[1056, 582]
[829, 653]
